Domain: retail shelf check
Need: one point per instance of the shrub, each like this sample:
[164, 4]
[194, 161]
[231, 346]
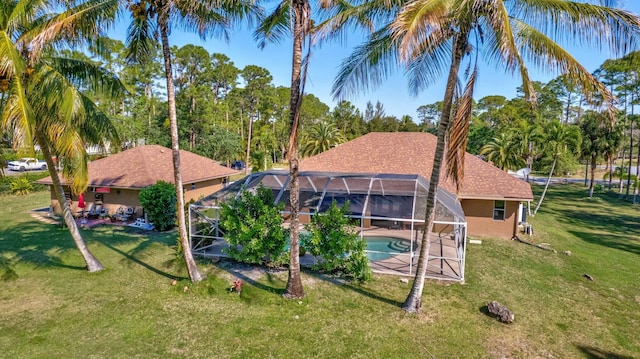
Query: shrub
[254, 229]
[331, 237]
[20, 186]
[159, 202]
[6, 181]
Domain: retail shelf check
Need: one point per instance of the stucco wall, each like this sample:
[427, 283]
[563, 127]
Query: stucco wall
[480, 222]
[202, 189]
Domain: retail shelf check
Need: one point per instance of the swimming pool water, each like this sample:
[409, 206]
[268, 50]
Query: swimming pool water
[382, 247]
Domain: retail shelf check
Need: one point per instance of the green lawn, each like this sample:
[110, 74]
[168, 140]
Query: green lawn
[50, 307]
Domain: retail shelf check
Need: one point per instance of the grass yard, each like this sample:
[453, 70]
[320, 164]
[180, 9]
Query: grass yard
[50, 307]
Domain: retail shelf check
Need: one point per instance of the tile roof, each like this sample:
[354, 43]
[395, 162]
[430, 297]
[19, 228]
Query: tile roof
[143, 166]
[412, 153]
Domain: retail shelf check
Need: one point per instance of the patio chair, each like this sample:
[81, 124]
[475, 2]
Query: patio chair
[119, 212]
[128, 213]
[97, 209]
[104, 213]
[91, 209]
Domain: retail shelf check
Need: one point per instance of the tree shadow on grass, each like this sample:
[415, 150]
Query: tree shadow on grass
[37, 244]
[44, 245]
[627, 243]
[614, 223]
[135, 253]
[354, 287]
[595, 353]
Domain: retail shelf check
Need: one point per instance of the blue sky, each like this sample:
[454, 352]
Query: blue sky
[393, 94]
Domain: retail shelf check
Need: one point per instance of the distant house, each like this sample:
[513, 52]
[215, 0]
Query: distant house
[117, 180]
[492, 200]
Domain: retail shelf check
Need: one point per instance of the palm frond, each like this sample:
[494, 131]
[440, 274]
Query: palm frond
[458, 135]
[594, 26]
[77, 25]
[368, 66]
[275, 26]
[83, 74]
[338, 19]
[11, 63]
[426, 69]
[141, 39]
[420, 27]
[546, 54]
[18, 113]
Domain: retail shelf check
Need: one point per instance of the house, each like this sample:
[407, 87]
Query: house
[492, 200]
[117, 180]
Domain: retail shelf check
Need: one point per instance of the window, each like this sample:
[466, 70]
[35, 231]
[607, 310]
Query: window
[193, 186]
[498, 210]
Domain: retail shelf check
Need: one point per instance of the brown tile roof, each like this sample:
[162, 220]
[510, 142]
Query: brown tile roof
[412, 153]
[143, 166]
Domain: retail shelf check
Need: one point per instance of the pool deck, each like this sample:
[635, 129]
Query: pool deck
[444, 262]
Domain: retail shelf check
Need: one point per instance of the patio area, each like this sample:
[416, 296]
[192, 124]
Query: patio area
[44, 215]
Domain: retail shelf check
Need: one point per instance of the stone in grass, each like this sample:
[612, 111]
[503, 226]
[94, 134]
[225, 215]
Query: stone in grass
[567, 253]
[404, 280]
[501, 312]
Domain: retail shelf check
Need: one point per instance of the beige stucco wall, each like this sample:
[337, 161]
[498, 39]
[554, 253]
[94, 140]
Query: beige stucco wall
[202, 189]
[129, 197]
[480, 222]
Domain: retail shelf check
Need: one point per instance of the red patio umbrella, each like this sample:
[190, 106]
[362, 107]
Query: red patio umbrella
[81, 203]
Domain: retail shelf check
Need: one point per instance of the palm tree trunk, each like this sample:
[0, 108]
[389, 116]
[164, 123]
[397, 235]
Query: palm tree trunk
[249, 134]
[93, 264]
[546, 185]
[593, 174]
[302, 15]
[635, 189]
[413, 303]
[630, 151]
[192, 268]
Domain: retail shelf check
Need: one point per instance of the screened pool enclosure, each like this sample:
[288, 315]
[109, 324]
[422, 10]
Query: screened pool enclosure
[388, 210]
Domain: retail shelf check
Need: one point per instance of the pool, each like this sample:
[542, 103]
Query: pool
[383, 247]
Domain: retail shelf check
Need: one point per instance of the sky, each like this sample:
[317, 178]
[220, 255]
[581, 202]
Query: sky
[393, 94]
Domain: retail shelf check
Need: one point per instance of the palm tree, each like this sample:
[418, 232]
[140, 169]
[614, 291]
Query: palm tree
[597, 136]
[44, 104]
[557, 140]
[429, 36]
[322, 136]
[504, 151]
[208, 18]
[526, 135]
[294, 17]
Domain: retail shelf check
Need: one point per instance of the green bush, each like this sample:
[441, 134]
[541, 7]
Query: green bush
[6, 182]
[331, 237]
[254, 229]
[20, 186]
[159, 202]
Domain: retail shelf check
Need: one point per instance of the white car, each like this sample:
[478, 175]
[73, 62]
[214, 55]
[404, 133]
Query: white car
[26, 164]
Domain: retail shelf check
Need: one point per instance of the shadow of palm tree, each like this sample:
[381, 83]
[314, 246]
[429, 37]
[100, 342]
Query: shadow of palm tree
[137, 254]
[44, 245]
[596, 353]
[38, 244]
[354, 287]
